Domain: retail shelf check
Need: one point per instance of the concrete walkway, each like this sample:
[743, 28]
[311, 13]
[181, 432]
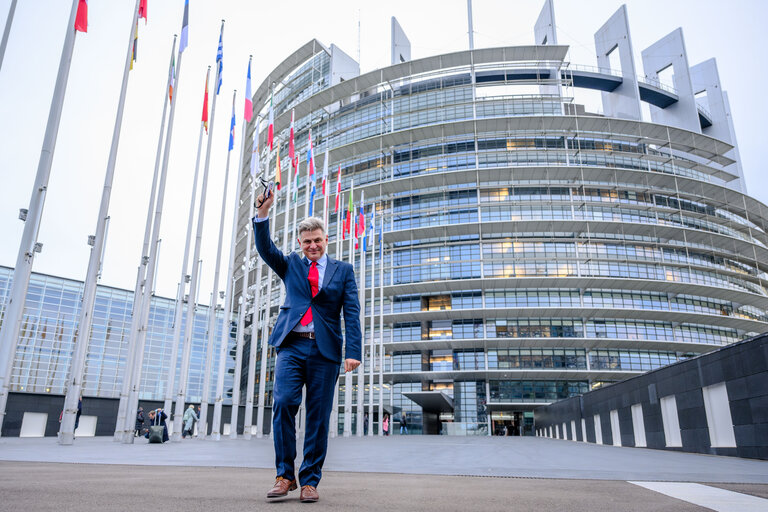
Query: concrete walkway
[397, 473]
[528, 457]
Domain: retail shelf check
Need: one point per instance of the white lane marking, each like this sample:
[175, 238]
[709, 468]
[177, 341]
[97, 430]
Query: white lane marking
[713, 498]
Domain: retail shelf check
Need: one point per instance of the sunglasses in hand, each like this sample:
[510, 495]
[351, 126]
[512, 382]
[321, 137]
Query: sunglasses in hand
[267, 192]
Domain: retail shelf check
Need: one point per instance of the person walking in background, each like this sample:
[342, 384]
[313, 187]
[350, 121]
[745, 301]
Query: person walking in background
[158, 417]
[385, 424]
[139, 422]
[403, 424]
[189, 420]
[365, 425]
[79, 412]
[308, 340]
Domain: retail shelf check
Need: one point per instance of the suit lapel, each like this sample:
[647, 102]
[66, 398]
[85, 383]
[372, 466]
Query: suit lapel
[330, 271]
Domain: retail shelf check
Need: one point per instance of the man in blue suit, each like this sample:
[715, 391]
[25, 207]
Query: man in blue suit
[308, 340]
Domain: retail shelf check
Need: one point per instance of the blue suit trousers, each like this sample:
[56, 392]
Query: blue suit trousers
[299, 363]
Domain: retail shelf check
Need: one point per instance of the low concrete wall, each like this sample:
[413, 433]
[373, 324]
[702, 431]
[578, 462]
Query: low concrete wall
[683, 406]
[105, 410]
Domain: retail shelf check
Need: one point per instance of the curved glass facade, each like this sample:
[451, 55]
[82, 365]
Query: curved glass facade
[531, 250]
[46, 341]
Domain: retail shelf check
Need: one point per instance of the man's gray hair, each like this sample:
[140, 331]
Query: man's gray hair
[311, 224]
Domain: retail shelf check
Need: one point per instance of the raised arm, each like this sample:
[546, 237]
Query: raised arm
[271, 255]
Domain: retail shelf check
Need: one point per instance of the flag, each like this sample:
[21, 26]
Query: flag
[248, 95]
[296, 177]
[372, 228]
[81, 18]
[184, 41]
[205, 106]
[312, 200]
[255, 162]
[360, 231]
[357, 242]
[348, 217]
[232, 130]
[271, 128]
[291, 145]
[310, 158]
[325, 171]
[338, 192]
[143, 10]
[344, 225]
[278, 174]
[220, 61]
[135, 44]
[172, 78]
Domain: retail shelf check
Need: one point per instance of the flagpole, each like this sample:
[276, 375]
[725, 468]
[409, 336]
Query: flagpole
[179, 311]
[74, 390]
[181, 388]
[9, 332]
[7, 31]
[203, 419]
[294, 235]
[244, 289]
[337, 255]
[141, 272]
[257, 332]
[286, 234]
[381, 327]
[310, 156]
[267, 299]
[243, 302]
[348, 375]
[361, 368]
[126, 415]
[372, 353]
[326, 187]
[216, 428]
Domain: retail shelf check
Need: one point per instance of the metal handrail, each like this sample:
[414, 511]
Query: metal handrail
[593, 69]
[653, 82]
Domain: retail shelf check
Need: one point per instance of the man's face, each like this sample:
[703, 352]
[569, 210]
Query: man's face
[313, 244]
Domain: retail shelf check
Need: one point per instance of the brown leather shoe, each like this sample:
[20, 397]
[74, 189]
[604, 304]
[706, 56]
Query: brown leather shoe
[281, 488]
[309, 494]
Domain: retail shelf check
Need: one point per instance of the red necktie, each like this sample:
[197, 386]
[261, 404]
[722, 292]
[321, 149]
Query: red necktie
[314, 281]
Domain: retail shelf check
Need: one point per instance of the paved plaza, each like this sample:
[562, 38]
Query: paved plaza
[396, 473]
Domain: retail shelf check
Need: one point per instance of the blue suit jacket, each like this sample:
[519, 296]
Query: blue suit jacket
[339, 291]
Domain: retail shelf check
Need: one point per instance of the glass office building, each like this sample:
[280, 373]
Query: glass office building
[46, 341]
[533, 247]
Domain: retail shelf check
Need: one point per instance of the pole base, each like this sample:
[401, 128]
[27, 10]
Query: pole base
[66, 439]
[215, 436]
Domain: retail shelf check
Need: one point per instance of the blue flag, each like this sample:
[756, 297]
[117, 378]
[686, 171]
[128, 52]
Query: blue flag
[184, 41]
[220, 61]
[312, 200]
[232, 130]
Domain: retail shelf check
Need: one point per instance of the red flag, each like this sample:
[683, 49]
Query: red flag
[205, 106]
[271, 130]
[278, 174]
[338, 191]
[143, 10]
[81, 19]
[248, 95]
[291, 146]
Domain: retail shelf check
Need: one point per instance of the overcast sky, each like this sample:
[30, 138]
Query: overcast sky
[270, 31]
